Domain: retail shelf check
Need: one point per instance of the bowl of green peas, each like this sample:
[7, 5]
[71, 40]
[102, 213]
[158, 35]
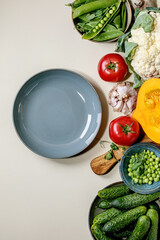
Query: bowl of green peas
[101, 20]
[140, 168]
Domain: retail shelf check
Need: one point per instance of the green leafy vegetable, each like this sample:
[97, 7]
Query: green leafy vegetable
[109, 28]
[153, 9]
[129, 46]
[121, 42]
[136, 12]
[117, 21]
[145, 21]
[131, 70]
[114, 146]
[123, 15]
[109, 155]
[138, 81]
[108, 35]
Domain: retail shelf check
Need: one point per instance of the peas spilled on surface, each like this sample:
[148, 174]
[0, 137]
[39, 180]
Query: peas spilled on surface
[144, 167]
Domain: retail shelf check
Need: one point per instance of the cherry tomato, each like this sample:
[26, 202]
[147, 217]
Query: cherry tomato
[112, 68]
[124, 130]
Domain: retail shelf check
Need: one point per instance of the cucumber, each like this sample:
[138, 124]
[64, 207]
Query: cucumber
[153, 233]
[104, 204]
[98, 233]
[124, 233]
[141, 228]
[134, 200]
[106, 215]
[124, 219]
[114, 192]
[153, 205]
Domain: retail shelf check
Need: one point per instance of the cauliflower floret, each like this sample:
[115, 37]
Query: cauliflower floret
[146, 61]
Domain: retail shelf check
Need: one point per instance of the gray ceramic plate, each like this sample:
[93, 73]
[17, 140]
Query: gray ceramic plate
[57, 113]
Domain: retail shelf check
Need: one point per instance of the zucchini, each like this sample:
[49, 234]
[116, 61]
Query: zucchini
[104, 204]
[98, 233]
[114, 192]
[106, 216]
[153, 233]
[153, 205]
[141, 228]
[124, 219]
[134, 200]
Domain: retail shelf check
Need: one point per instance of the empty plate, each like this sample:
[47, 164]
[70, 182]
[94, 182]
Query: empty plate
[57, 113]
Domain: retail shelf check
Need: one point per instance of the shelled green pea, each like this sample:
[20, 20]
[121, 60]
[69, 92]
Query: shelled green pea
[103, 21]
[144, 168]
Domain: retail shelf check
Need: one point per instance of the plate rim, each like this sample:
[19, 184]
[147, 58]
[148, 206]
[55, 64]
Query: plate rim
[30, 80]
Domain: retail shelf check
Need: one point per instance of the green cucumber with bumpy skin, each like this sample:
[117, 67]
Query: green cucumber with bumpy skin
[106, 215]
[104, 204]
[153, 205]
[124, 219]
[153, 233]
[98, 233]
[122, 234]
[114, 192]
[134, 200]
[141, 228]
[125, 232]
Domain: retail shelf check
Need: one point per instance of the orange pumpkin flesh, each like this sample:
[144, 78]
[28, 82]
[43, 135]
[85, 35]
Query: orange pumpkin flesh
[147, 111]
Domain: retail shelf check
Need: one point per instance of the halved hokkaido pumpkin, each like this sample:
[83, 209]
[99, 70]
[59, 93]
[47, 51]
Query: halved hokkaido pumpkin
[147, 111]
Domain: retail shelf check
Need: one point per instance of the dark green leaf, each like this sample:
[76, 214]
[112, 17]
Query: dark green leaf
[114, 146]
[138, 81]
[99, 13]
[136, 12]
[136, 165]
[129, 46]
[117, 21]
[153, 9]
[143, 20]
[87, 17]
[108, 35]
[123, 15]
[129, 65]
[109, 155]
[109, 28]
[140, 170]
[121, 42]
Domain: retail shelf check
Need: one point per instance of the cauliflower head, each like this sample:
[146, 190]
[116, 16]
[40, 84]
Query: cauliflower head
[146, 60]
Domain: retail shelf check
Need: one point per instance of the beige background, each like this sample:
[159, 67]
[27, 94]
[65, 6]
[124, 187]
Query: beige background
[43, 199]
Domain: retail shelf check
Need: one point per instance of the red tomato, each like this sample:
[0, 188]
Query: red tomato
[124, 130]
[112, 68]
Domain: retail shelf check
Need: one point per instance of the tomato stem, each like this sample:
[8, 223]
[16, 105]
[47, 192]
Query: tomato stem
[111, 66]
[127, 128]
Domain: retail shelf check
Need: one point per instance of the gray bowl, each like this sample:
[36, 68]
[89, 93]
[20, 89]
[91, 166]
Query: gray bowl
[136, 148]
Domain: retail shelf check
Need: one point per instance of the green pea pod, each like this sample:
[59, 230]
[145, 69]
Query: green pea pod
[103, 22]
[124, 16]
[77, 3]
[108, 35]
[117, 21]
[92, 6]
